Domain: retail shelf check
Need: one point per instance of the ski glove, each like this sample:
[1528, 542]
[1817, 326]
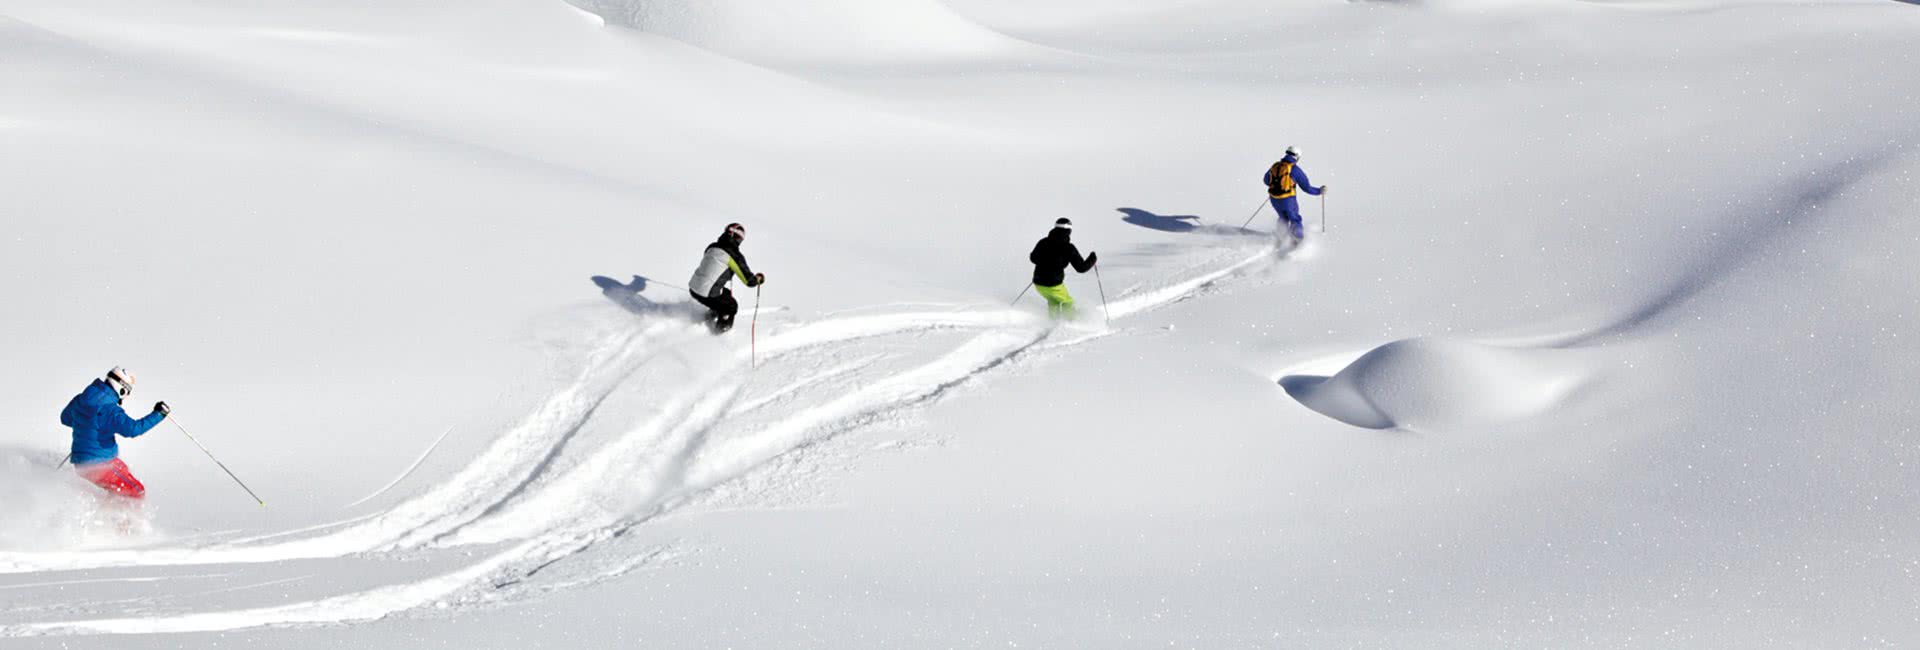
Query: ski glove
[759, 279]
[1093, 259]
[162, 409]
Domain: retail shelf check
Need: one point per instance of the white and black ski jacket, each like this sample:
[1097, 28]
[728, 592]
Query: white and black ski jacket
[721, 263]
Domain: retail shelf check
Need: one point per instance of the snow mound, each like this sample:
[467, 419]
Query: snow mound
[1427, 384]
[817, 31]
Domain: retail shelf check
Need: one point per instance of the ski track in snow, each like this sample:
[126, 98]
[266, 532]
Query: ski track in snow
[406, 472]
[562, 501]
[810, 380]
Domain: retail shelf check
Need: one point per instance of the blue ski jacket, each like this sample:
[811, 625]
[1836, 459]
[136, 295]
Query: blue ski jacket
[96, 416]
[1290, 203]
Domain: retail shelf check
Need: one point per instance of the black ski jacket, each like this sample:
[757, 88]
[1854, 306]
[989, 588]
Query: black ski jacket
[1051, 256]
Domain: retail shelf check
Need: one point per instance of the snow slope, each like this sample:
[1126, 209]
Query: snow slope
[842, 32]
[1604, 343]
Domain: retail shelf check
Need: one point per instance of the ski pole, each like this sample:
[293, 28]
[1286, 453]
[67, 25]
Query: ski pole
[753, 330]
[1103, 295]
[1323, 212]
[216, 461]
[1256, 213]
[1023, 294]
[668, 285]
[63, 461]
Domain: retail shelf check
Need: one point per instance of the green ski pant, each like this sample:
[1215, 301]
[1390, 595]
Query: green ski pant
[1059, 303]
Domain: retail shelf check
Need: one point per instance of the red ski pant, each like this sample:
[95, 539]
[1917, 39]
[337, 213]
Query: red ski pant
[112, 476]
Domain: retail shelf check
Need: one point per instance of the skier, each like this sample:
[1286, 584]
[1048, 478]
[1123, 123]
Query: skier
[1050, 258]
[96, 417]
[721, 263]
[1282, 179]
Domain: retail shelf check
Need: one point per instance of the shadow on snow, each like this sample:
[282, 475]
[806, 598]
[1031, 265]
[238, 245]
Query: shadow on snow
[1185, 223]
[627, 296]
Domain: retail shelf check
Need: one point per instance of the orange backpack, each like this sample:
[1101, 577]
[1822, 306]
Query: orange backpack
[1282, 176]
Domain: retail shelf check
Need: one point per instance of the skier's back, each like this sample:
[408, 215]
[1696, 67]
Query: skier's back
[722, 262]
[96, 417]
[1050, 257]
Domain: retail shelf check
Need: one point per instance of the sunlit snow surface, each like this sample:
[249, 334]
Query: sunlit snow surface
[1600, 339]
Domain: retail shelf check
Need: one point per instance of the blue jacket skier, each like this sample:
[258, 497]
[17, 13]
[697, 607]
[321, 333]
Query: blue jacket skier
[96, 417]
[1283, 180]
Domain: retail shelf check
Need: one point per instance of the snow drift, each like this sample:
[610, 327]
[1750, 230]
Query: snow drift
[1431, 384]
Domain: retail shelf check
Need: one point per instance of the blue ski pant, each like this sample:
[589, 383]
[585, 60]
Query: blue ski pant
[1289, 211]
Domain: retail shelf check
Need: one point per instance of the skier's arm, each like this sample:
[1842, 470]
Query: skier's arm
[1267, 178]
[66, 414]
[738, 263]
[1300, 178]
[1081, 264]
[1034, 257]
[119, 422]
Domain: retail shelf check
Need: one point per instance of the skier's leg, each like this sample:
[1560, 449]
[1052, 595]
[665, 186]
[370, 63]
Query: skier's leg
[720, 309]
[122, 509]
[704, 301]
[1290, 230]
[1048, 294]
[1059, 302]
[725, 308]
[114, 477]
[127, 485]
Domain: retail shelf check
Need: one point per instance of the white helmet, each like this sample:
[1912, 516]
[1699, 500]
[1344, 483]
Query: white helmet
[121, 380]
[1293, 151]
